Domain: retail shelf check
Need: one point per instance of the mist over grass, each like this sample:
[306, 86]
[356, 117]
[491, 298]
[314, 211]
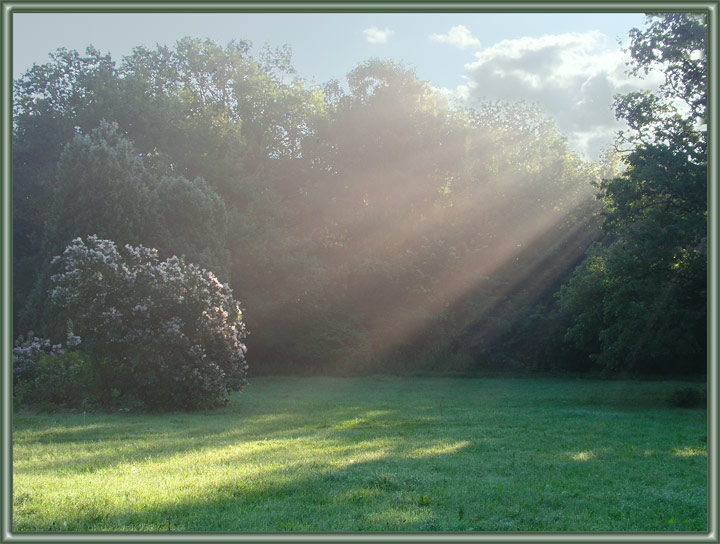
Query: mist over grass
[375, 454]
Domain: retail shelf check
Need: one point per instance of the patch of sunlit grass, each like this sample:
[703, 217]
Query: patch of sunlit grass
[373, 454]
[690, 452]
[582, 456]
[441, 449]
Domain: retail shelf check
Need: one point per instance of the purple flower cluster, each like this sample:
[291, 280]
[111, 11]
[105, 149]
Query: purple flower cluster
[171, 332]
[27, 353]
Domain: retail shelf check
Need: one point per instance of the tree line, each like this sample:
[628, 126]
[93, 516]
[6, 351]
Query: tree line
[371, 225]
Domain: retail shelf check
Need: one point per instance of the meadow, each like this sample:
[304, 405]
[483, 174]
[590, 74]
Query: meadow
[374, 454]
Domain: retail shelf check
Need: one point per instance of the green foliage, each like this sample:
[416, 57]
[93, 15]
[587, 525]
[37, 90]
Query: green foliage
[58, 380]
[677, 44]
[103, 186]
[50, 375]
[49, 102]
[193, 222]
[639, 301]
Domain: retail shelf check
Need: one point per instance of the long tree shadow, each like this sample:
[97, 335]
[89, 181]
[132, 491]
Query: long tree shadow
[121, 438]
[299, 497]
[339, 462]
[125, 441]
[395, 492]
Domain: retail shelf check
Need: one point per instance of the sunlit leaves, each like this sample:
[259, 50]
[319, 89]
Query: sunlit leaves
[647, 305]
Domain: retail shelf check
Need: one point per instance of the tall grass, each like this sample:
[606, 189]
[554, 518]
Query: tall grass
[374, 454]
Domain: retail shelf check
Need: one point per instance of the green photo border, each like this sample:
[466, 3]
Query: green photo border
[10, 7]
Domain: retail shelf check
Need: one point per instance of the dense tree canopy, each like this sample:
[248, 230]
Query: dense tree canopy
[368, 225]
[640, 302]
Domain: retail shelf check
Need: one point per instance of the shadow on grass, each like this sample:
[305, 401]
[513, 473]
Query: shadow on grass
[295, 495]
[122, 439]
[126, 438]
[457, 455]
[394, 492]
[359, 497]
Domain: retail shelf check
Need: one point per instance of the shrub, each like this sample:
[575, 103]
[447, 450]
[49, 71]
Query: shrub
[168, 333]
[63, 380]
[49, 374]
[26, 355]
[688, 397]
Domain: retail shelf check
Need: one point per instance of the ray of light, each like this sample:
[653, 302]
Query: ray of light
[398, 218]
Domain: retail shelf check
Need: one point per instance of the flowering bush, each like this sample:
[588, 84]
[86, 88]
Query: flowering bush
[166, 332]
[50, 374]
[26, 355]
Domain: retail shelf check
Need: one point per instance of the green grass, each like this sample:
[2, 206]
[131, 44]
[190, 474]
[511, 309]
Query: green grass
[374, 454]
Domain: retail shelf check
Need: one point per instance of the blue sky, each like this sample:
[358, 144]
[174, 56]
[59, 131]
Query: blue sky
[571, 64]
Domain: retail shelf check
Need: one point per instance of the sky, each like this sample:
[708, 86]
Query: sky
[570, 64]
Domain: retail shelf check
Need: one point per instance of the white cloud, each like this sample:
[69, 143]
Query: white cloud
[459, 36]
[573, 76]
[375, 35]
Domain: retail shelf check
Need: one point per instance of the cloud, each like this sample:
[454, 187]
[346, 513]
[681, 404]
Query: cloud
[459, 36]
[573, 76]
[375, 35]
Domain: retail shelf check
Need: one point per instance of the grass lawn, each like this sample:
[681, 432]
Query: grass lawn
[374, 454]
